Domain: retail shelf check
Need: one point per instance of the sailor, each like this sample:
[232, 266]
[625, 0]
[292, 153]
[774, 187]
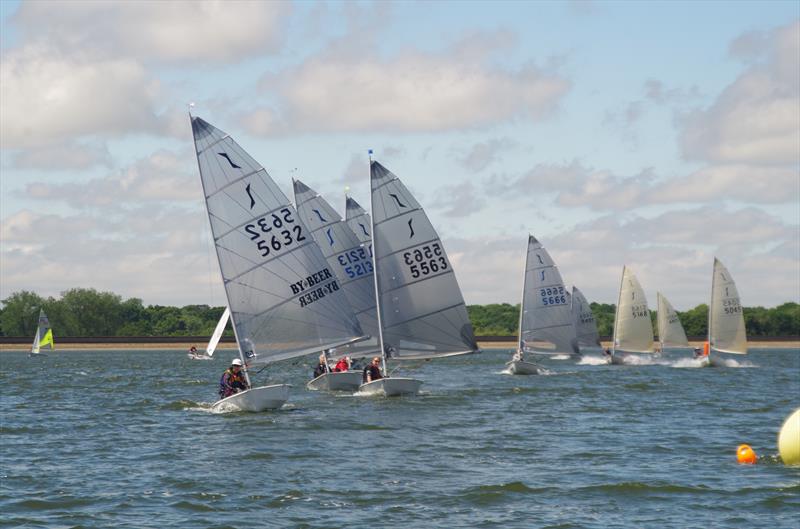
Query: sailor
[372, 371]
[607, 352]
[232, 380]
[343, 364]
[322, 366]
[698, 352]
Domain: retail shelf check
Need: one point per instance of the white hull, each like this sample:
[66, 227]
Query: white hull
[32, 354]
[616, 360]
[520, 367]
[255, 399]
[391, 387]
[199, 357]
[336, 381]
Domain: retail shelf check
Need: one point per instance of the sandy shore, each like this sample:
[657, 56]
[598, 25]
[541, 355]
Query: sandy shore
[755, 344]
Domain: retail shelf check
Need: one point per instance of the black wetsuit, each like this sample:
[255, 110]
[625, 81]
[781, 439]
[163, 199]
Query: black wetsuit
[320, 370]
[374, 373]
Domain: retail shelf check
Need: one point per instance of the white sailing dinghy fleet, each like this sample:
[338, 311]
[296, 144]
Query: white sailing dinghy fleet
[633, 329]
[726, 330]
[421, 312]
[284, 299]
[214, 341]
[670, 330]
[43, 339]
[546, 323]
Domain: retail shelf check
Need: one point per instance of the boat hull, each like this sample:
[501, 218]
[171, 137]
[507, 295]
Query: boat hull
[199, 357]
[391, 387]
[336, 381]
[616, 360]
[255, 399]
[520, 367]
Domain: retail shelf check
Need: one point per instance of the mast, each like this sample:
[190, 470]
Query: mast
[211, 228]
[711, 302]
[660, 321]
[375, 269]
[520, 345]
[616, 314]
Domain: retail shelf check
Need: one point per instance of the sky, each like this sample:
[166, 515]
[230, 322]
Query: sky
[656, 135]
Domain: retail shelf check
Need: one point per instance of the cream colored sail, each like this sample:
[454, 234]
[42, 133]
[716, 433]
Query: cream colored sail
[726, 331]
[633, 330]
[670, 330]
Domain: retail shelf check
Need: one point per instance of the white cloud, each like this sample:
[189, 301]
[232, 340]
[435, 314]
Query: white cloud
[459, 200]
[481, 155]
[207, 30]
[756, 119]
[69, 155]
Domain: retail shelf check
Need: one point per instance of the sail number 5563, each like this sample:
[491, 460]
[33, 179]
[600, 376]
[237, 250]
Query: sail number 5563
[425, 260]
[283, 235]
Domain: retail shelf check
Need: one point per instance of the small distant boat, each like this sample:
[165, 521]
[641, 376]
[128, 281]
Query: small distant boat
[284, 300]
[726, 329]
[351, 259]
[212, 343]
[43, 338]
[633, 329]
[670, 330]
[586, 333]
[546, 324]
[421, 312]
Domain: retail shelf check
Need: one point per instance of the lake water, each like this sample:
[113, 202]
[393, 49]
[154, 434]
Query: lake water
[124, 439]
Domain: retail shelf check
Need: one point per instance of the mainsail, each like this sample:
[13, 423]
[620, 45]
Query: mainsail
[633, 330]
[670, 330]
[422, 311]
[221, 324]
[359, 221]
[285, 300]
[348, 257]
[726, 331]
[585, 324]
[546, 324]
[44, 334]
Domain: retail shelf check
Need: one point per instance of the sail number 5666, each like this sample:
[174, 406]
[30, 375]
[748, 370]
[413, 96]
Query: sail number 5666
[553, 296]
[425, 260]
[268, 240]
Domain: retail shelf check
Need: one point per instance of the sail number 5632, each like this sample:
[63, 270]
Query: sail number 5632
[274, 231]
[425, 260]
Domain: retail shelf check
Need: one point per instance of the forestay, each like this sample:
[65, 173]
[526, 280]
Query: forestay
[726, 330]
[350, 260]
[221, 324]
[585, 324]
[359, 221]
[422, 311]
[633, 330]
[284, 299]
[670, 330]
[546, 324]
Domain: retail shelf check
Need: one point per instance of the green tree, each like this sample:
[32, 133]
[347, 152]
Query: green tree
[20, 314]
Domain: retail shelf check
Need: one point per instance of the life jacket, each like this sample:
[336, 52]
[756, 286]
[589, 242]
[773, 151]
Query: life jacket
[341, 365]
[230, 381]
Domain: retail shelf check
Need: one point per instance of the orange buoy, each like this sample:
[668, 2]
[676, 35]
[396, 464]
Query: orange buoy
[745, 455]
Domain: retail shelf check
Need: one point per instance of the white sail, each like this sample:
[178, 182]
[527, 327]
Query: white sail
[284, 299]
[421, 309]
[349, 258]
[221, 324]
[359, 221]
[546, 324]
[726, 330]
[44, 334]
[585, 324]
[670, 330]
[633, 330]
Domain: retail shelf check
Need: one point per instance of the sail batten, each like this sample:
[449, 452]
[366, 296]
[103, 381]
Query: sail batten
[726, 328]
[284, 299]
[421, 309]
[546, 315]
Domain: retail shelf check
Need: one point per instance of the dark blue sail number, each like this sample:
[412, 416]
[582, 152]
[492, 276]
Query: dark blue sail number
[284, 234]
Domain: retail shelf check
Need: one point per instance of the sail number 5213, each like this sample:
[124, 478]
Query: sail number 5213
[274, 231]
[425, 260]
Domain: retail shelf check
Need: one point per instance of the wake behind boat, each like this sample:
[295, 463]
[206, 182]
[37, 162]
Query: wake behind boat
[284, 300]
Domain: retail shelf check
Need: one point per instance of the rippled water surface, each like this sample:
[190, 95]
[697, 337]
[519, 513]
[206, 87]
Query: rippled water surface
[125, 439]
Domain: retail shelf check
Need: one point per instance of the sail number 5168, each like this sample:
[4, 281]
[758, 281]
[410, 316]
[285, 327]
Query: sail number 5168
[425, 260]
[268, 240]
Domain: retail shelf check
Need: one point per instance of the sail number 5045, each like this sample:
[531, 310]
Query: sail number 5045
[425, 260]
[283, 235]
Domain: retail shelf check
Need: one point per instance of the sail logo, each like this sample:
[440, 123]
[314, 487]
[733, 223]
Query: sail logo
[330, 237]
[400, 204]
[225, 155]
[540, 258]
[411, 228]
[321, 219]
[315, 287]
[364, 229]
[250, 194]
[542, 278]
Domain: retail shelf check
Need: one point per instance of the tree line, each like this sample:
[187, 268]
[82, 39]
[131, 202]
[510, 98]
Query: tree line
[87, 312]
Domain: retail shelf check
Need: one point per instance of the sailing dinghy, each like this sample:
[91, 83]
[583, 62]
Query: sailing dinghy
[670, 330]
[351, 260]
[726, 329]
[586, 333]
[43, 338]
[633, 330]
[214, 341]
[284, 299]
[421, 312]
[545, 319]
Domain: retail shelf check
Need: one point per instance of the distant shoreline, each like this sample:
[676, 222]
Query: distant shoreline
[789, 343]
